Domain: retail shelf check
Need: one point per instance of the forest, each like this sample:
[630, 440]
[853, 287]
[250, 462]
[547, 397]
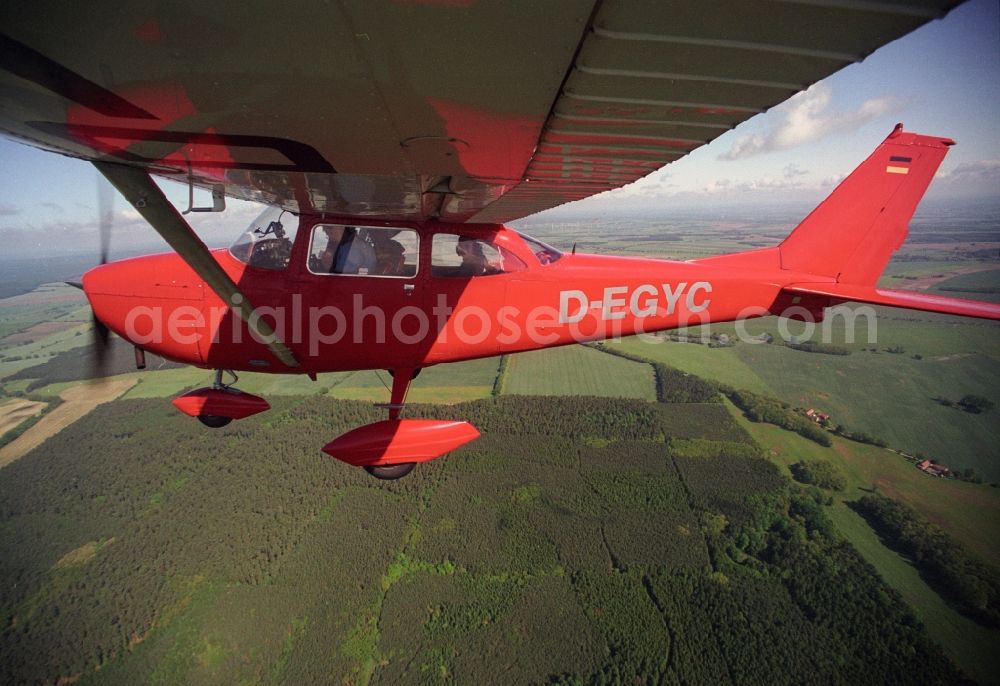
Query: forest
[761, 408]
[579, 541]
[971, 585]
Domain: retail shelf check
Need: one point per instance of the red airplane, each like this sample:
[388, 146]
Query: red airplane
[390, 179]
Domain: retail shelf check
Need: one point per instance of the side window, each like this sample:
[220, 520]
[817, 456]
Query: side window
[363, 251]
[466, 256]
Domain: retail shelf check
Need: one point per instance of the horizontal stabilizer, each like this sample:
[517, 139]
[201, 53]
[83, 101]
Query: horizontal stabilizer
[908, 299]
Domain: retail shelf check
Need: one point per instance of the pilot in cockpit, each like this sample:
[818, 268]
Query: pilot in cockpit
[474, 261]
[323, 261]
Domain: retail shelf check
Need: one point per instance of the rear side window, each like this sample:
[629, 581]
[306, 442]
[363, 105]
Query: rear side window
[363, 251]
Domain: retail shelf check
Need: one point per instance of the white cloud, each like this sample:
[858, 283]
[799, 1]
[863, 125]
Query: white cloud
[980, 177]
[978, 171]
[8, 210]
[804, 118]
[793, 170]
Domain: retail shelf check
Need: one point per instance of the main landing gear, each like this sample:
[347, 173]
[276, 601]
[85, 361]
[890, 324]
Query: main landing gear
[400, 386]
[387, 450]
[390, 449]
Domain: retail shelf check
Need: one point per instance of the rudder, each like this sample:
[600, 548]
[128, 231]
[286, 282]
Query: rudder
[852, 234]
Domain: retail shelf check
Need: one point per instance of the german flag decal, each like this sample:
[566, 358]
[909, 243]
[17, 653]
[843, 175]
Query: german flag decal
[899, 165]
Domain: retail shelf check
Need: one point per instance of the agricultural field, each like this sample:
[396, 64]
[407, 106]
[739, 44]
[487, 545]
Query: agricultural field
[893, 396]
[13, 412]
[47, 303]
[577, 370]
[448, 383]
[76, 402]
[979, 285]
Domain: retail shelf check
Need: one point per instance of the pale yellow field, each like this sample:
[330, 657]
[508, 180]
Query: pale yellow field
[77, 401]
[14, 412]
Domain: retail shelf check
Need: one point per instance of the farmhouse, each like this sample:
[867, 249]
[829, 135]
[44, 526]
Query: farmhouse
[817, 416]
[933, 468]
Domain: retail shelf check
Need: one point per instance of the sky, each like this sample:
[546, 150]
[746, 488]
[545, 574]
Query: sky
[943, 79]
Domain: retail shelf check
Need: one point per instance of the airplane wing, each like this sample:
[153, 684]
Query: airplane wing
[459, 110]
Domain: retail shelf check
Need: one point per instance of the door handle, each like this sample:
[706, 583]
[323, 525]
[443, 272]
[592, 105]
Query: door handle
[408, 288]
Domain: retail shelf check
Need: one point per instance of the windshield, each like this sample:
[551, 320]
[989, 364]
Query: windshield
[546, 254]
[267, 243]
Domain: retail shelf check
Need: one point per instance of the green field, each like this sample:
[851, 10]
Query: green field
[47, 303]
[891, 396]
[982, 285]
[445, 383]
[718, 364]
[970, 513]
[578, 370]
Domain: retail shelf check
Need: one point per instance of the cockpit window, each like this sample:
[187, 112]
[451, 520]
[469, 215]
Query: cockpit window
[363, 251]
[453, 255]
[267, 244]
[546, 254]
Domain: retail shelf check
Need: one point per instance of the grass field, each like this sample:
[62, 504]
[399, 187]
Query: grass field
[971, 513]
[37, 325]
[578, 370]
[716, 364]
[445, 383]
[971, 645]
[448, 383]
[891, 396]
[50, 302]
[981, 285]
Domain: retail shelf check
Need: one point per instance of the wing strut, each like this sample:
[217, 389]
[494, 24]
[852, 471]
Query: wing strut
[147, 198]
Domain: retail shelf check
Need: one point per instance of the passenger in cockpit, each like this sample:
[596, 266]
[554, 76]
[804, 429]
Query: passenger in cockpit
[389, 253]
[356, 254]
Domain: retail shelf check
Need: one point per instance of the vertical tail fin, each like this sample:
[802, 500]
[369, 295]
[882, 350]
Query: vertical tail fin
[852, 234]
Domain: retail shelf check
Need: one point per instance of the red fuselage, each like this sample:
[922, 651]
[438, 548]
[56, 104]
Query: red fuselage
[335, 322]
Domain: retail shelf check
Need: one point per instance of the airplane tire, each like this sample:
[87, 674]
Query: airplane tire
[389, 472]
[214, 421]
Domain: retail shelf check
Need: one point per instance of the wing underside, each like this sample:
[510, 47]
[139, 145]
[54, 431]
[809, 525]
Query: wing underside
[439, 109]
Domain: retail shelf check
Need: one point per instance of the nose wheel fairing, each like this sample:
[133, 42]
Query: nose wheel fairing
[220, 402]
